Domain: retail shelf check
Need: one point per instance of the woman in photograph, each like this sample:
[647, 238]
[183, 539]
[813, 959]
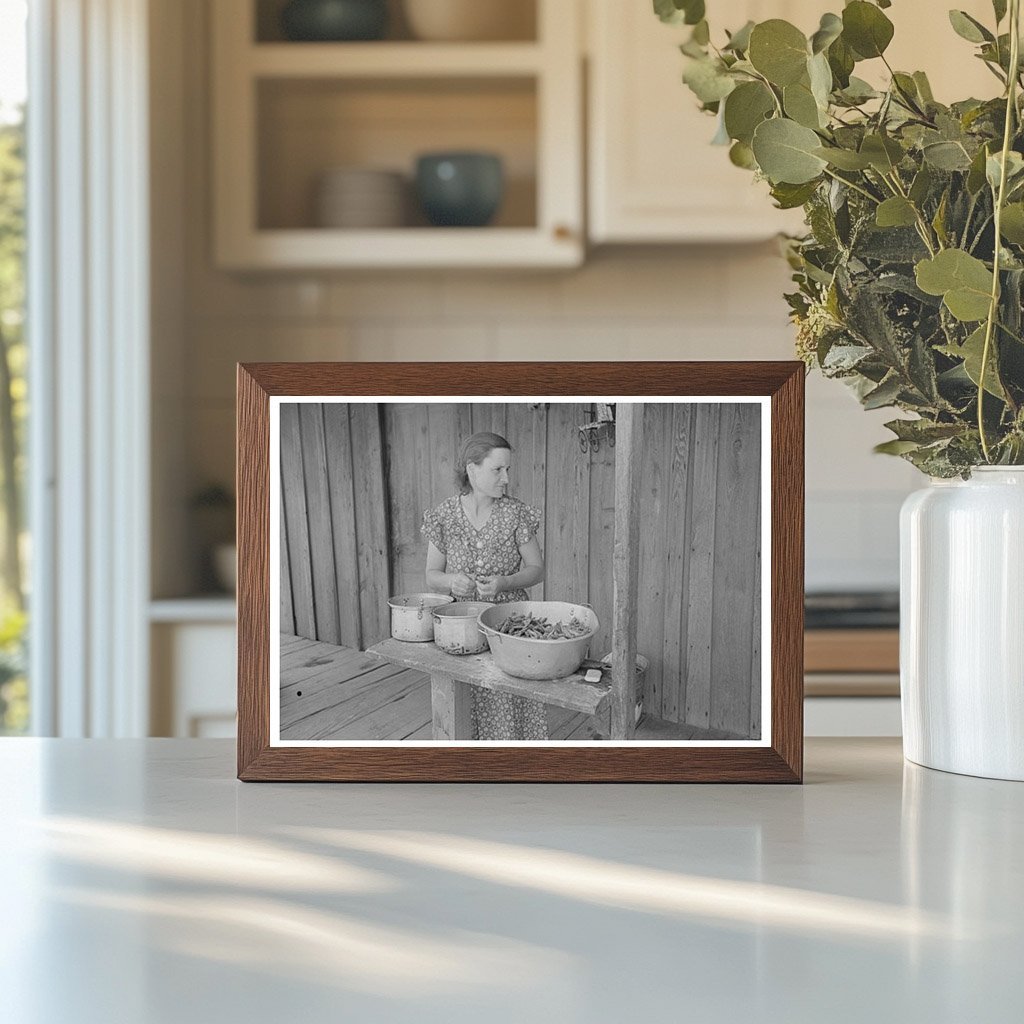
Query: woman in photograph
[483, 547]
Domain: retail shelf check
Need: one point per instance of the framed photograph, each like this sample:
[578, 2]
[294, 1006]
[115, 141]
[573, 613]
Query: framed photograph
[520, 572]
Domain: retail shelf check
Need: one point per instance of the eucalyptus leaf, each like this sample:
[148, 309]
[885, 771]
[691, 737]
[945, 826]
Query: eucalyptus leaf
[1011, 225]
[969, 28]
[675, 12]
[820, 75]
[800, 105]
[785, 152]
[976, 174]
[739, 41]
[939, 220]
[962, 280]
[866, 29]
[741, 155]
[994, 168]
[779, 51]
[691, 48]
[858, 91]
[921, 185]
[721, 136]
[788, 196]
[895, 447]
[923, 431]
[708, 81]
[947, 156]
[924, 88]
[844, 159]
[829, 30]
[972, 352]
[745, 108]
[895, 212]
[842, 61]
[883, 153]
[884, 395]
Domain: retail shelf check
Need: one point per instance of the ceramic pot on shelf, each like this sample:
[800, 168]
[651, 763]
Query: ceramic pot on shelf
[460, 189]
[962, 624]
[334, 20]
[470, 20]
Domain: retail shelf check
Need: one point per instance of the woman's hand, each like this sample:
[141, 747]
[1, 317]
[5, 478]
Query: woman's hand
[488, 587]
[463, 586]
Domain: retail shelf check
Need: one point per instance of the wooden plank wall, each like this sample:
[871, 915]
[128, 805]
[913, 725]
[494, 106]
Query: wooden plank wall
[334, 544]
[700, 565]
[699, 574]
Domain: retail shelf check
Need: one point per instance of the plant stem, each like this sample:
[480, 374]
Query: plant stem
[922, 225]
[855, 187]
[993, 309]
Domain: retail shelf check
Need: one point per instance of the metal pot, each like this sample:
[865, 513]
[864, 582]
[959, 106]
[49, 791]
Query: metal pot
[412, 617]
[538, 659]
[456, 630]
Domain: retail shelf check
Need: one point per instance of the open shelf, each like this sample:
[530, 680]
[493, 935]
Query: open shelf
[286, 114]
[306, 128]
[393, 60]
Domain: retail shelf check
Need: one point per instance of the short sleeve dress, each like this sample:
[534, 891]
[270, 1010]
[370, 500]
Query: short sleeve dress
[492, 550]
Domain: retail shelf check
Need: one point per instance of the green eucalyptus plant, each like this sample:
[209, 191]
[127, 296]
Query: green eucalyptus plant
[910, 278]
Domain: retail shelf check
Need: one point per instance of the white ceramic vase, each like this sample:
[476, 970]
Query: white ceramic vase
[962, 624]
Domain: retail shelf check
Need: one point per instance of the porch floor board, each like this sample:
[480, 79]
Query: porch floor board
[336, 693]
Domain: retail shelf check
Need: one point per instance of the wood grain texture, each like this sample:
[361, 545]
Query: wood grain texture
[629, 430]
[735, 563]
[674, 560]
[652, 576]
[701, 566]
[296, 521]
[567, 519]
[371, 523]
[318, 514]
[287, 608]
[451, 704]
[779, 762]
[340, 479]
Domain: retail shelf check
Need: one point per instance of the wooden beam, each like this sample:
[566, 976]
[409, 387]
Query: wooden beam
[571, 692]
[452, 708]
[629, 437]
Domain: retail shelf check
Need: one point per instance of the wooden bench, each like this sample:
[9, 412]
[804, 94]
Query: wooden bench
[452, 676]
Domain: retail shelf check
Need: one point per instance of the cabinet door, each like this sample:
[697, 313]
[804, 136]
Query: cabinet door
[654, 175]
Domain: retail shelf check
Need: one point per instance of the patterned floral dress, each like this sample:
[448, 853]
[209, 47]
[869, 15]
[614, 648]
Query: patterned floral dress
[492, 550]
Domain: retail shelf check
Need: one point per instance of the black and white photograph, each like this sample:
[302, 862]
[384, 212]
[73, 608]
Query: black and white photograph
[474, 572]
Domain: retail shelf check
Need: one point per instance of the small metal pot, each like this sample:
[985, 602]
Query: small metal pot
[456, 630]
[412, 617]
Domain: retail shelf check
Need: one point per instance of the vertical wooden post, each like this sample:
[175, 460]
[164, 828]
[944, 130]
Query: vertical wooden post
[629, 428]
[451, 705]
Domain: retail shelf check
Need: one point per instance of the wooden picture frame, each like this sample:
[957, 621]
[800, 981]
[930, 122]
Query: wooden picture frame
[775, 755]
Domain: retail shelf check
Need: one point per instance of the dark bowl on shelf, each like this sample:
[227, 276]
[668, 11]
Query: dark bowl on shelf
[332, 21]
[460, 189]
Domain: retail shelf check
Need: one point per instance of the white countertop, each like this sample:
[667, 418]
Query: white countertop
[143, 884]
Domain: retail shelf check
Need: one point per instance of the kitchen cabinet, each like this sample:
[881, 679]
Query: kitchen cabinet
[286, 113]
[193, 673]
[653, 175]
